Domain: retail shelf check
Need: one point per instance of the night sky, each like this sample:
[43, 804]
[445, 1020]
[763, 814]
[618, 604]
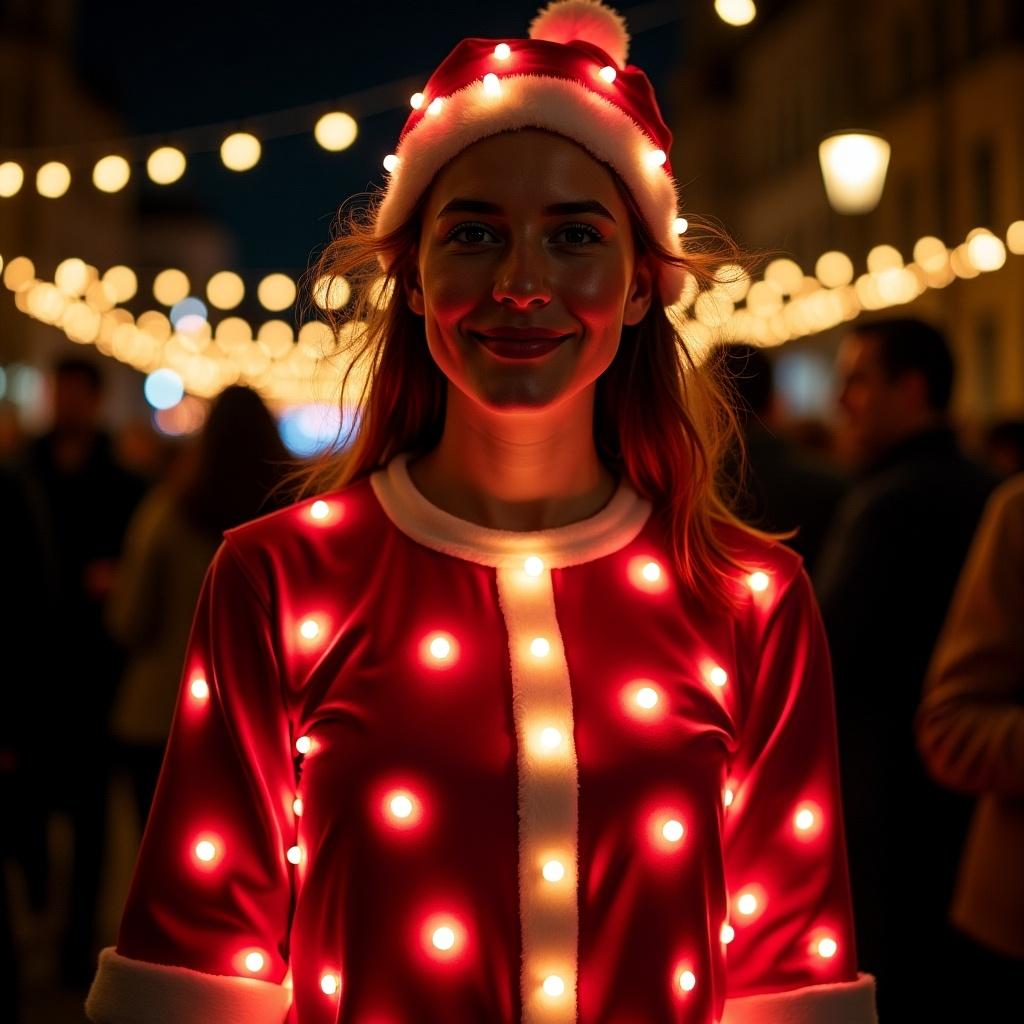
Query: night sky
[190, 64]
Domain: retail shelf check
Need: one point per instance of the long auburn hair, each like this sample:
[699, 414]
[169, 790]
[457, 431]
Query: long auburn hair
[659, 417]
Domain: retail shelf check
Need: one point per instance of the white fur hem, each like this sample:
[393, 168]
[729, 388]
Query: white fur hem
[127, 991]
[849, 1002]
[605, 532]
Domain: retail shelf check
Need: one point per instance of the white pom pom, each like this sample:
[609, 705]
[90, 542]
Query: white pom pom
[562, 21]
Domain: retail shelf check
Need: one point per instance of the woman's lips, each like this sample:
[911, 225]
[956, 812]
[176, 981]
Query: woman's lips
[511, 348]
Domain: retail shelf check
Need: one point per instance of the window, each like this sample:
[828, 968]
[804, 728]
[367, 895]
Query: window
[986, 354]
[983, 183]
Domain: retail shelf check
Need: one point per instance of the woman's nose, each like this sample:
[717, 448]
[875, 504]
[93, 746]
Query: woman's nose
[522, 276]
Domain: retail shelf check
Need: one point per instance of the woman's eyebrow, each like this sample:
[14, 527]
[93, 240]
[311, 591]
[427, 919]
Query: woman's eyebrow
[462, 205]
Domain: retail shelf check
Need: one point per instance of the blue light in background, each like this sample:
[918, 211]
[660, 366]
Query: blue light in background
[190, 307]
[803, 381]
[310, 429]
[163, 389]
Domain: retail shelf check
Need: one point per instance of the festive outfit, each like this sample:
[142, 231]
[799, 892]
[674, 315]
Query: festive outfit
[520, 756]
[423, 770]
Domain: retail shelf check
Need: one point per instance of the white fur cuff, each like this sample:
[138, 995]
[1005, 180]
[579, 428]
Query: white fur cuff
[127, 991]
[851, 1002]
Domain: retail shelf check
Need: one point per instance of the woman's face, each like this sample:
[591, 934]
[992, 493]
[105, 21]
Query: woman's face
[515, 263]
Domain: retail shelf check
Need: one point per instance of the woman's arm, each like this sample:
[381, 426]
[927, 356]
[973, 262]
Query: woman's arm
[205, 930]
[792, 958]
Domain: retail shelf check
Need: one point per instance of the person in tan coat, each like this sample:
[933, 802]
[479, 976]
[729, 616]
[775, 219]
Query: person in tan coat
[969, 731]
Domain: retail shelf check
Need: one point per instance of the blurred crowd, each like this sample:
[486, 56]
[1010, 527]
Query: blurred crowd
[913, 535]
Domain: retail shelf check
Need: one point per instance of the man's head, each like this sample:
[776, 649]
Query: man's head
[77, 395]
[896, 379]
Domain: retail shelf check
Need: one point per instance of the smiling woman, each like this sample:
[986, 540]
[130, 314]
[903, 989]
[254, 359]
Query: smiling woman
[565, 725]
[517, 434]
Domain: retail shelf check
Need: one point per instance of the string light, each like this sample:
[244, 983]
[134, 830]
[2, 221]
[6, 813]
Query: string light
[53, 179]
[285, 369]
[11, 179]
[240, 151]
[165, 165]
[111, 173]
[336, 131]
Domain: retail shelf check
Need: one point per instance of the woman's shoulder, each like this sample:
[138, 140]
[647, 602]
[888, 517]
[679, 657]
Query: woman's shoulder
[756, 553]
[310, 531]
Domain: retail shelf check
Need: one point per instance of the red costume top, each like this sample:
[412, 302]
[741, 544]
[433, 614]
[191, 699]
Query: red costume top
[426, 771]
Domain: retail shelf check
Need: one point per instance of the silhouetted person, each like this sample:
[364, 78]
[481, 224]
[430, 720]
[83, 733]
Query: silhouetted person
[88, 500]
[223, 479]
[782, 487]
[970, 734]
[26, 617]
[884, 579]
[1004, 447]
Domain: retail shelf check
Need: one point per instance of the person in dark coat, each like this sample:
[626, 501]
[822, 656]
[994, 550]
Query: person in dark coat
[780, 487]
[884, 579]
[87, 501]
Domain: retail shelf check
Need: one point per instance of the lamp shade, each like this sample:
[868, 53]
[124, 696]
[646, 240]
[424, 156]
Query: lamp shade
[853, 166]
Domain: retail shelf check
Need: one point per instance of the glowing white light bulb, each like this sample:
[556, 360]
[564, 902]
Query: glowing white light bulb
[329, 983]
[401, 806]
[656, 157]
[502, 51]
[827, 948]
[728, 796]
[440, 647]
[443, 938]
[554, 871]
[303, 744]
[254, 962]
[539, 647]
[297, 806]
[747, 903]
[673, 831]
[416, 100]
[199, 689]
[718, 676]
[319, 510]
[390, 162]
[206, 851]
[758, 581]
[680, 225]
[492, 84]
[294, 855]
[553, 986]
[728, 933]
[533, 566]
[309, 629]
[607, 73]
[804, 819]
[646, 697]
[651, 571]
[435, 105]
[550, 738]
[687, 980]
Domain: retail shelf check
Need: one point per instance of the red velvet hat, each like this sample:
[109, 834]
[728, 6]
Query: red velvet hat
[571, 77]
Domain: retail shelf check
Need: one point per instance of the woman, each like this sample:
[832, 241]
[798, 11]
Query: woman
[485, 739]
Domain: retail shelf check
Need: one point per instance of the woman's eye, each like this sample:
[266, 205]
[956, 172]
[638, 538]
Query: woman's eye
[464, 228]
[591, 233]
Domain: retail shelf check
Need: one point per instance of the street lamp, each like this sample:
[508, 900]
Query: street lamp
[853, 166]
[736, 12]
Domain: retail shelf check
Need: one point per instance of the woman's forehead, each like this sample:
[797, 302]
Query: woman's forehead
[525, 169]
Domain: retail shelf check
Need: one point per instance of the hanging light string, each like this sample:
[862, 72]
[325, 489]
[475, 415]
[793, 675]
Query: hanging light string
[307, 365]
[165, 154]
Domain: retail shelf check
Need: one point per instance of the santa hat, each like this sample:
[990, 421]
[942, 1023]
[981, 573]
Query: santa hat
[571, 77]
